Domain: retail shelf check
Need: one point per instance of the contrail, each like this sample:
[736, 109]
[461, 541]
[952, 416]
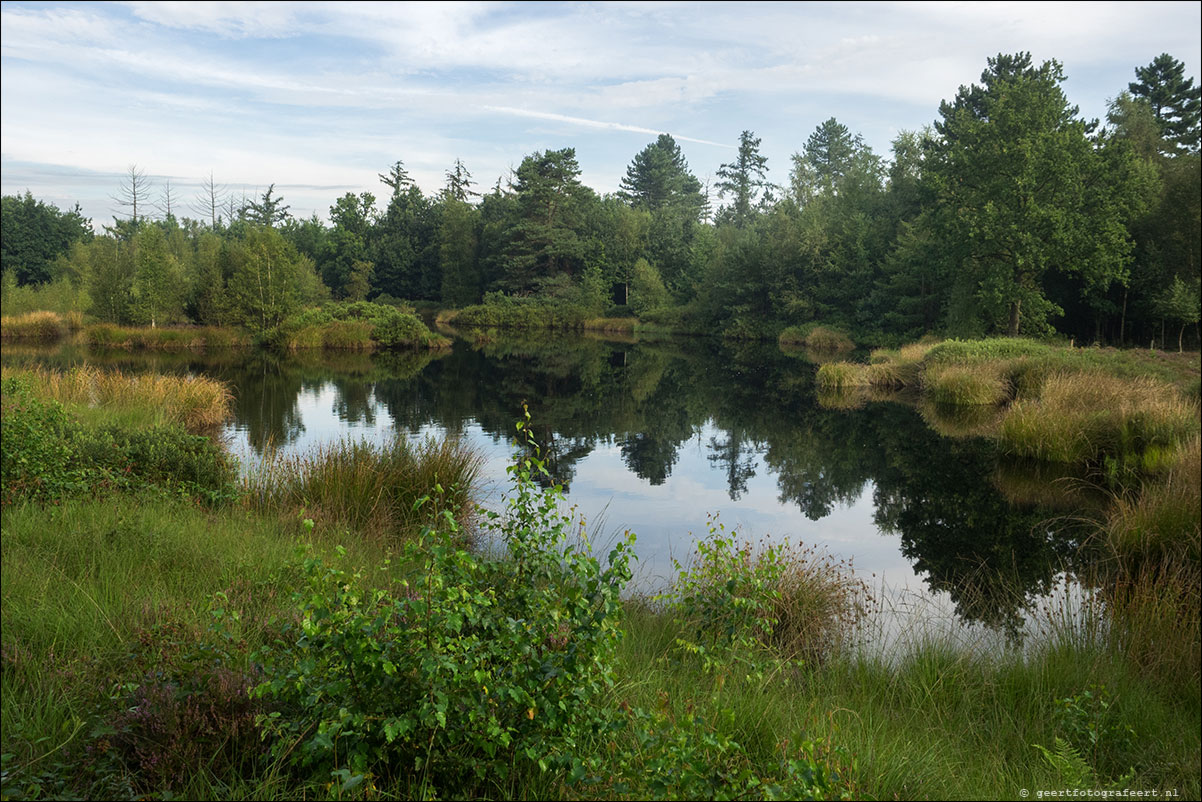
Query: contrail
[563, 118]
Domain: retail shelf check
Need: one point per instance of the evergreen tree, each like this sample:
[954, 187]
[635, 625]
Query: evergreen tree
[544, 239]
[267, 211]
[459, 184]
[659, 177]
[457, 254]
[1174, 99]
[742, 179]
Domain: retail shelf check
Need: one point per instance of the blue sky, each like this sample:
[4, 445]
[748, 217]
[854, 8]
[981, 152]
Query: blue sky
[319, 98]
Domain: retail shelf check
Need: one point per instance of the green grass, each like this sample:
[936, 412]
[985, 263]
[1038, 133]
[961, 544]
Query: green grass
[366, 488]
[967, 385]
[103, 594]
[164, 338]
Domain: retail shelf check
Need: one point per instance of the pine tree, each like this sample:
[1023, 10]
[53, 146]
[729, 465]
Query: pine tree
[1174, 100]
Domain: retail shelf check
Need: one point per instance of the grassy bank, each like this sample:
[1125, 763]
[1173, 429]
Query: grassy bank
[1061, 404]
[349, 326]
[39, 326]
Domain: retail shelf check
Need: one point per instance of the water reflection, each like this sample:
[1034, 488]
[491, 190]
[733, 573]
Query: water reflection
[657, 434]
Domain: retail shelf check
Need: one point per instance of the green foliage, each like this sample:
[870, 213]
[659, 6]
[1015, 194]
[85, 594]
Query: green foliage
[157, 290]
[565, 309]
[1023, 191]
[266, 280]
[647, 291]
[49, 456]
[1173, 98]
[357, 325]
[60, 296]
[191, 707]
[743, 179]
[725, 600]
[471, 670]
[691, 758]
[34, 234]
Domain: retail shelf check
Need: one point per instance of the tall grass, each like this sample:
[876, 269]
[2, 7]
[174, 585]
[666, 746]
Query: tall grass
[1080, 417]
[195, 402]
[365, 487]
[165, 338]
[39, 326]
[1164, 520]
[818, 338]
[981, 384]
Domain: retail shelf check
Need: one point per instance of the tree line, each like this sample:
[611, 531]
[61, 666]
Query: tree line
[1011, 214]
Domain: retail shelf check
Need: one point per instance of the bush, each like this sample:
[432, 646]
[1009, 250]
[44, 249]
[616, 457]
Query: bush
[195, 714]
[739, 606]
[356, 325]
[466, 672]
[47, 455]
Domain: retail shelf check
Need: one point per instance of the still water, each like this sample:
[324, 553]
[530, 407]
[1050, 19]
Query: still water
[661, 437]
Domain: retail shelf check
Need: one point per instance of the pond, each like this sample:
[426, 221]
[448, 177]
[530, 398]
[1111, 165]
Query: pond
[662, 437]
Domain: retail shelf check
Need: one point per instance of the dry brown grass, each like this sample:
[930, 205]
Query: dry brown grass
[38, 326]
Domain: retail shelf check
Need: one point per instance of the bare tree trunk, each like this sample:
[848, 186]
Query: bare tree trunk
[1015, 312]
[1123, 319]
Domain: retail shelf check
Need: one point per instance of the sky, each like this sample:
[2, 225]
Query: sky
[320, 98]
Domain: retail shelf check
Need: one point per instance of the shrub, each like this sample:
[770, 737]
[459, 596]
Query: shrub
[35, 451]
[467, 671]
[47, 455]
[740, 606]
[197, 715]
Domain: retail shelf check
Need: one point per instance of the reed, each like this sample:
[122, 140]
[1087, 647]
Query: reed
[1083, 417]
[36, 327]
[840, 375]
[978, 384]
[364, 487]
[1164, 521]
[166, 338]
[195, 402]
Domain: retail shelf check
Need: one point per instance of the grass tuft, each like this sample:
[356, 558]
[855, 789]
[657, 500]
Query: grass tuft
[365, 487]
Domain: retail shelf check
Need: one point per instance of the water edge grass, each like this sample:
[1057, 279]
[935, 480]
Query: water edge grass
[368, 488]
